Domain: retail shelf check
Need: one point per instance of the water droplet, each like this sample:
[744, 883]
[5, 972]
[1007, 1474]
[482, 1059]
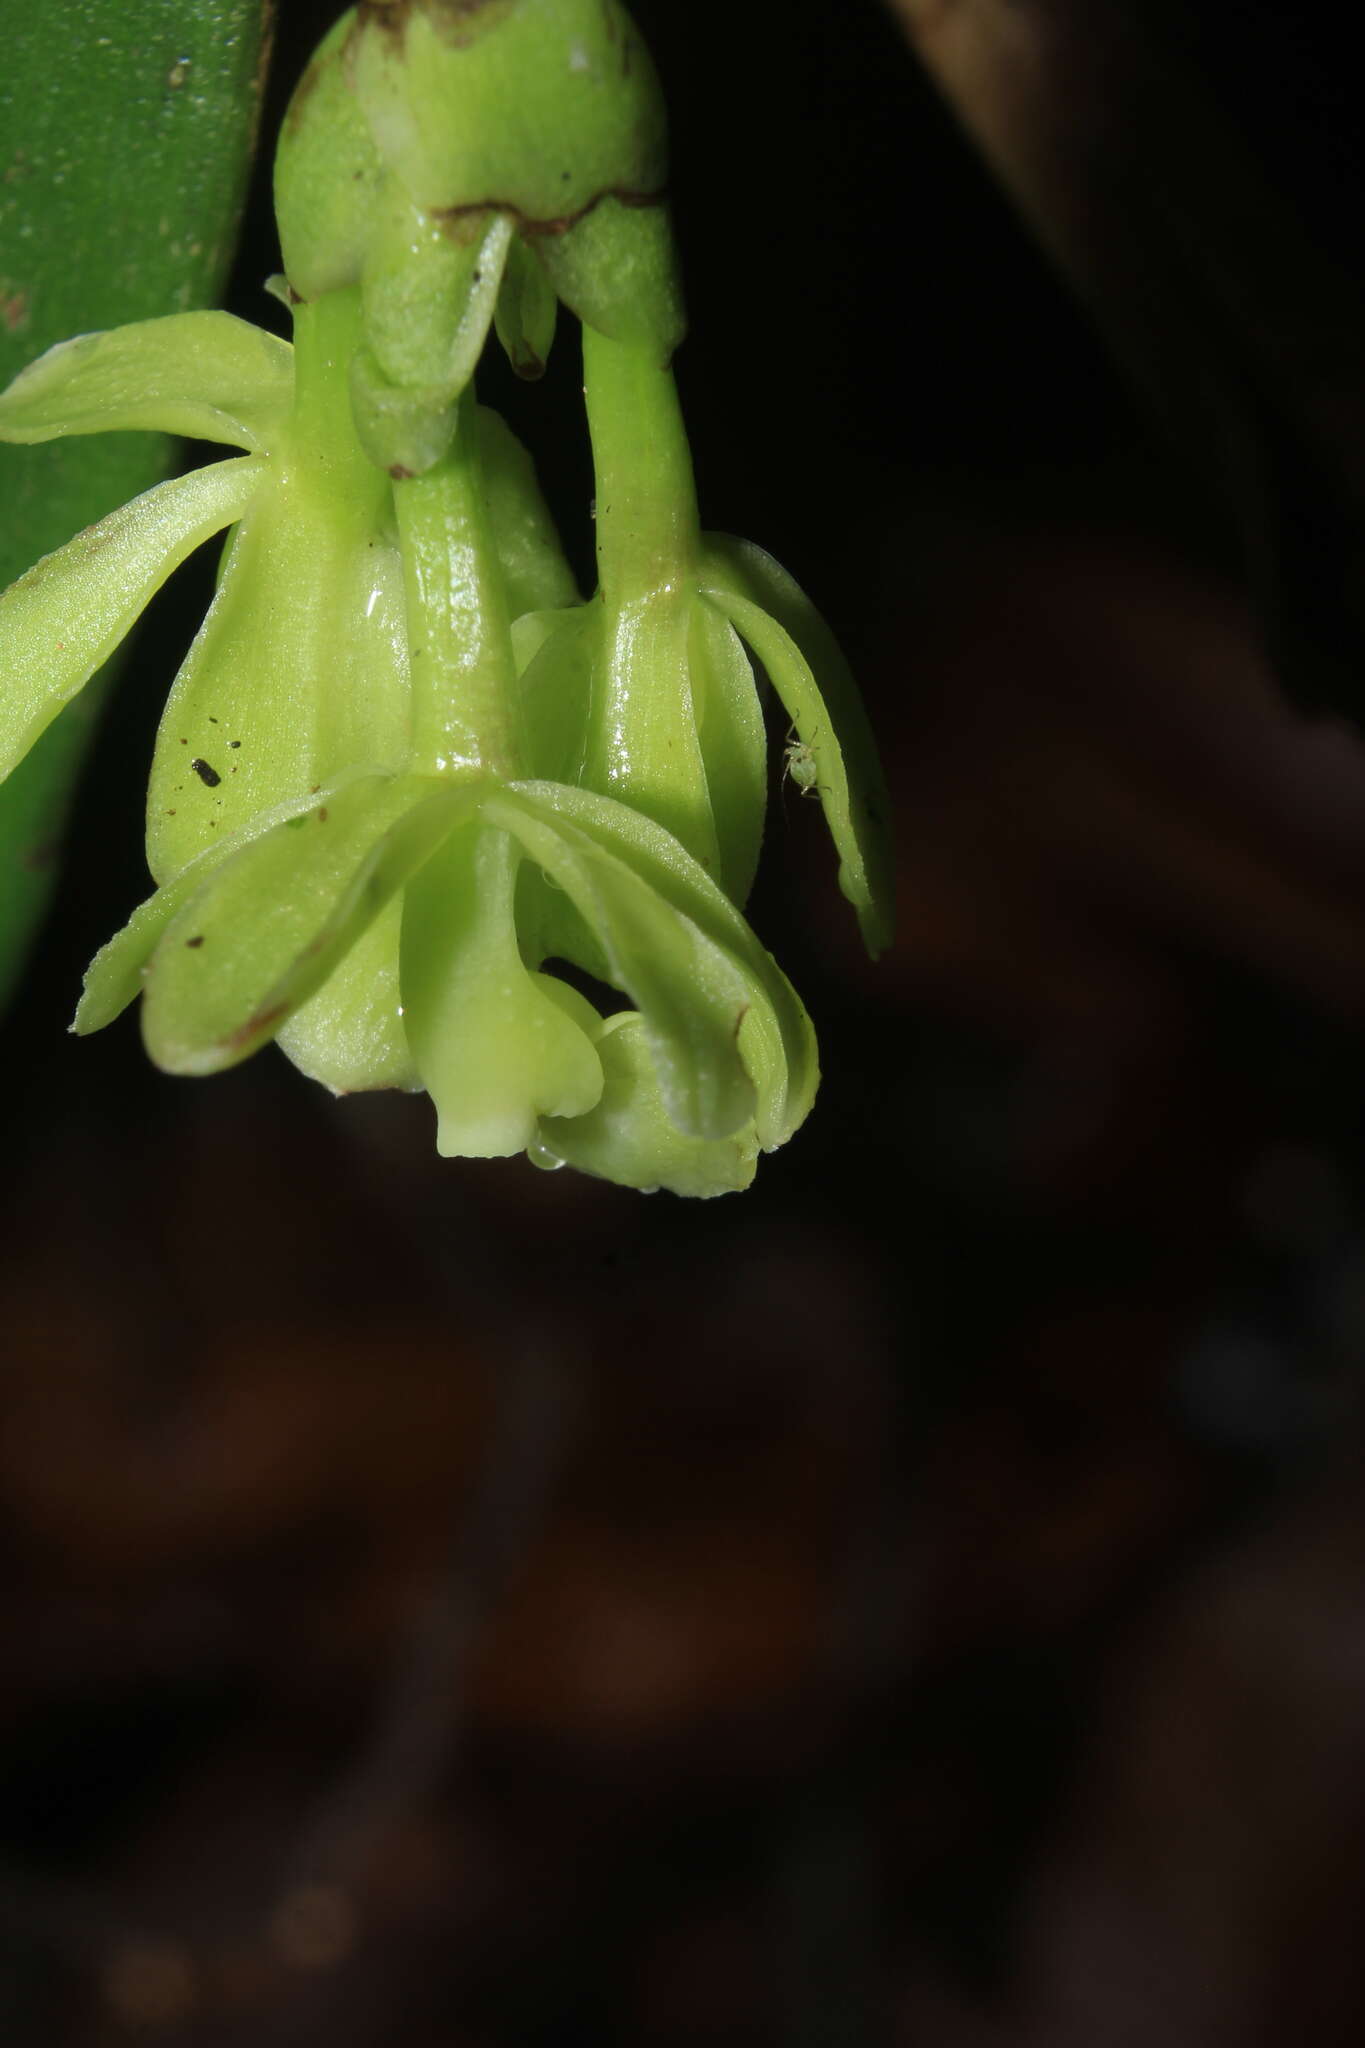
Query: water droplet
[539, 1154]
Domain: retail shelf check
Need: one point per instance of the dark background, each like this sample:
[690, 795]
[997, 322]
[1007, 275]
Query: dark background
[919, 1600]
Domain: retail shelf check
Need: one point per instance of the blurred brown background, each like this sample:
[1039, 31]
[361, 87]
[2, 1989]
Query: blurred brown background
[919, 1601]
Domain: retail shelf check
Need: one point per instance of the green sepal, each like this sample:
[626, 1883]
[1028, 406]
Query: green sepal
[269, 925]
[628, 1138]
[299, 671]
[554, 650]
[427, 306]
[617, 268]
[497, 1044]
[777, 1037]
[808, 671]
[427, 298]
[727, 1033]
[733, 744]
[114, 977]
[66, 616]
[208, 376]
[535, 106]
[404, 429]
[525, 313]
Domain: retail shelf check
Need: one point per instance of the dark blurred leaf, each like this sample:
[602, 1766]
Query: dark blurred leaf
[1191, 170]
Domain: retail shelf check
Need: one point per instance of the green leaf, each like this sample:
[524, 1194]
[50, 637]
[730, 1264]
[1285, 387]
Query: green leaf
[127, 133]
[268, 926]
[810, 675]
[208, 376]
[65, 617]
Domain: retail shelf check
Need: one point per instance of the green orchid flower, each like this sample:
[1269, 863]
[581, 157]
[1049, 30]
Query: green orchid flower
[300, 671]
[458, 161]
[715, 1061]
[410, 795]
[301, 704]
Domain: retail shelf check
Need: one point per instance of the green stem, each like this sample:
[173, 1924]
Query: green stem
[647, 529]
[324, 458]
[644, 747]
[466, 711]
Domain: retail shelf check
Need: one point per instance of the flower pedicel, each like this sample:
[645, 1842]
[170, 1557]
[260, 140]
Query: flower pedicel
[405, 769]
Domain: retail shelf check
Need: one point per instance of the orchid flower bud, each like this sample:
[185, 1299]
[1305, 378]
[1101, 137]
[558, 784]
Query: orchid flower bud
[458, 162]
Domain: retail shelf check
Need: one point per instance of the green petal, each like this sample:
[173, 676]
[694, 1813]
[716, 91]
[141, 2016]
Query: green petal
[777, 1040]
[733, 744]
[810, 675]
[208, 376]
[65, 617]
[537, 576]
[497, 1045]
[268, 926]
[525, 313]
[299, 671]
[554, 651]
[114, 977]
[628, 1138]
[727, 1033]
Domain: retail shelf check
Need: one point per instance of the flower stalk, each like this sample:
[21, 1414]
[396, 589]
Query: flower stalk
[644, 746]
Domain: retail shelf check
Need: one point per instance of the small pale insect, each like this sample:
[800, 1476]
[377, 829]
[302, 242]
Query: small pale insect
[800, 764]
